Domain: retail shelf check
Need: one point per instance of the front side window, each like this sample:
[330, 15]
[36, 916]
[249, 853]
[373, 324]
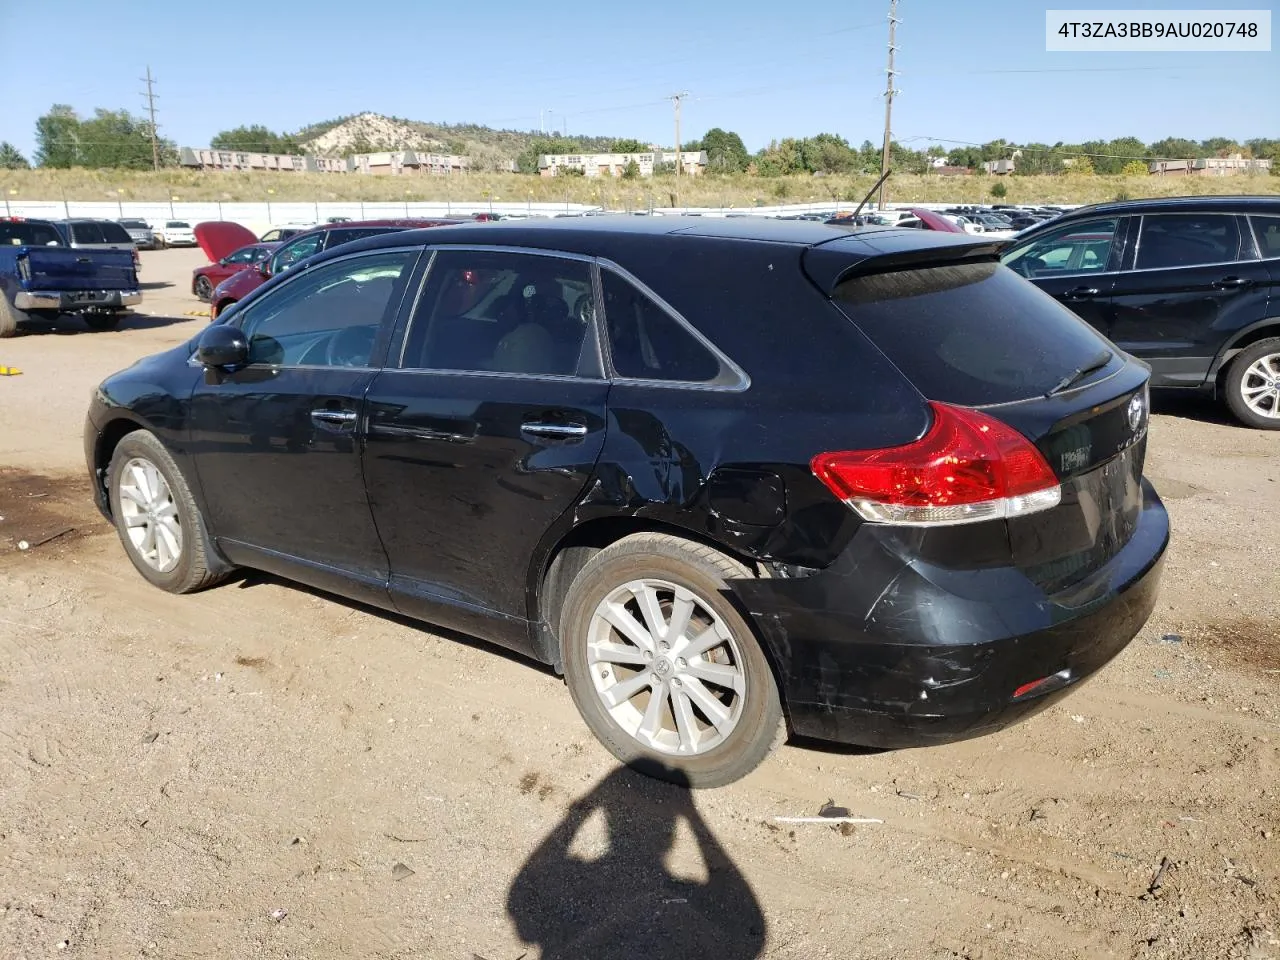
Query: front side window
[1187, 240]
[648, 343]
[1075, 248]
[245, 255]
[296, 252]
[328, 317]
[489, 311]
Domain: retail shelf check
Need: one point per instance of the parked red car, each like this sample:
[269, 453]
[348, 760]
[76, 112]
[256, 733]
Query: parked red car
[324, 237]
[204, 279]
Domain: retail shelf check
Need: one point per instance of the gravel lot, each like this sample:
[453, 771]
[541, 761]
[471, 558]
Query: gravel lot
[261, 770]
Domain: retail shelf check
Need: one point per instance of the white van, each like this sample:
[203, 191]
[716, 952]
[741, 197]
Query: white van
[173, 233]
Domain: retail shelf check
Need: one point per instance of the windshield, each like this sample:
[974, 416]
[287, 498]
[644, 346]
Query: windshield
[178, 225]
[26, 234]
[134, 225]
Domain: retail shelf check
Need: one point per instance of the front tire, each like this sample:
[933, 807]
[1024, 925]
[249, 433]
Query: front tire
[1252, 385]
[204, 289]
[663, 667]
[157, 518]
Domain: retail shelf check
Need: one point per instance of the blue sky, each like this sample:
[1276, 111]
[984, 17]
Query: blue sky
[972, 70]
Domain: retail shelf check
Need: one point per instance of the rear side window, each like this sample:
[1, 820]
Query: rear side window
[87, 233]
[1267, 230]
[23, 233]
[648, 343]
[1187, 240]
[969, 333]
[114, 233]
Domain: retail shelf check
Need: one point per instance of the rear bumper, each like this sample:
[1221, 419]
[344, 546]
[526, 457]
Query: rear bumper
[72, 300]
[885, 653]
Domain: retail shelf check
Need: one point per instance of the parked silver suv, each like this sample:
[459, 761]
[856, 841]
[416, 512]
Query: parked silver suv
[144, 237]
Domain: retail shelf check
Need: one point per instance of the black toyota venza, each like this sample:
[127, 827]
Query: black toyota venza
[730, 477]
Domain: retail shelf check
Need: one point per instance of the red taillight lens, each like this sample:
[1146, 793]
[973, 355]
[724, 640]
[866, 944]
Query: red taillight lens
[967, 467]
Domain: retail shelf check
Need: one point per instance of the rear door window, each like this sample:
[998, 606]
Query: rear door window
[1187, 240]
[646, 342]
[1083, 247]
[971, 333]
[1267, 230]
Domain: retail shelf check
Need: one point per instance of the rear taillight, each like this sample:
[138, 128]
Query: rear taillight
[24, 269]
[968, 467]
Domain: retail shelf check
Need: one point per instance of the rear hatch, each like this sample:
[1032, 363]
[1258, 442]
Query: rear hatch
[61, 268]
[968, 332]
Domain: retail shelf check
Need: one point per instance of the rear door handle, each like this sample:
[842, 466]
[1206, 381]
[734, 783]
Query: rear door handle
[1081, 293]
[1231, 283]
[333, 419]
[554, 431]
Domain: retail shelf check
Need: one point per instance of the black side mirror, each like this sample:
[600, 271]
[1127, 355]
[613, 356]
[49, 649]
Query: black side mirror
[222, 346]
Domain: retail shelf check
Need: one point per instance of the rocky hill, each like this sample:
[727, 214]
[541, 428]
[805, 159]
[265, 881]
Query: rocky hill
[368, 132]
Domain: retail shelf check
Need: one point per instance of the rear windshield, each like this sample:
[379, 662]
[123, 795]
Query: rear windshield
[972, 333]
[26, 234]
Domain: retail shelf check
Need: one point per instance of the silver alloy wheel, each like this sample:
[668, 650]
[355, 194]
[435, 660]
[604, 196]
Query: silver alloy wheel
[150, 516]
[1260, 386]
[666, 667]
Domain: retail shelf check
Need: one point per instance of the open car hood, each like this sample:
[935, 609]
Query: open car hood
[936, 222]
[217, 238]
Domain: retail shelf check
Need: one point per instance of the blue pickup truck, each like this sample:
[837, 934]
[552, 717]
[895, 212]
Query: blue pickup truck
[42, 277]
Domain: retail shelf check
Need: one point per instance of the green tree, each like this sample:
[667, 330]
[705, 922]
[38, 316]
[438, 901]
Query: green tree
[999, 190]
[629, 145]
[1218, 147]
[1083, 165]
[726, 153]
[779, 158]
[116, 138]
[827, 153]
[527, 161]
[970, 157]
[255, 139]
[11, 158]
[58, 137]
[631, 171]
[1174, 148]
[1135, 168]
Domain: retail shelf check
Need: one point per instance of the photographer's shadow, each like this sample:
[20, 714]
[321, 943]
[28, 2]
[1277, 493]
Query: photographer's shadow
[625, 902]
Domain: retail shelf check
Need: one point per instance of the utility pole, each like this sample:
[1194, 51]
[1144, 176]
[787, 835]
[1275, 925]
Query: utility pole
[675, 98]
[151, 109]
[889, 92]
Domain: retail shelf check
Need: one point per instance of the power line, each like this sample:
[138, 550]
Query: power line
[889, 91]
[151, 109]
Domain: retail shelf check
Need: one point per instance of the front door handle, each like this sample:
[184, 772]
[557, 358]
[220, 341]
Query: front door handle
[1232, 283]
[1081, 293]
[554, 431]
[333, 419]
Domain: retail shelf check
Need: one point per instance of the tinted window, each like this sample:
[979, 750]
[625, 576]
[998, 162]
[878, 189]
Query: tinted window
[87, 233]
[24, 233]
[329, 316]
[337, 237]
[178, 225]
[134, 225]
[508, 312]
[970, 333]
[114, 233]
[1187, 239]
[296, 251]
[1267, 230]
[1075, 248]
[646, 342]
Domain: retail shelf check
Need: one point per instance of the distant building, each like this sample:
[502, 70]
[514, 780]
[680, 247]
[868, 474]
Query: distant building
[211, 159]
[950, 171]
[998, 167]
[1208, 167]
[692, 162]
[400, 162]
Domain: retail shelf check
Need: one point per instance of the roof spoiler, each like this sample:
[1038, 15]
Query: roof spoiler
[830, 263]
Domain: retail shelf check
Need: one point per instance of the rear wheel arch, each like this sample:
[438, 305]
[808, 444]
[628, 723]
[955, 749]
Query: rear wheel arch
[550, 579]
[220, 306]
[1262, 330]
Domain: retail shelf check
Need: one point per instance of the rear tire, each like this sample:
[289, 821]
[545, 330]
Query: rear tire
[102, 321]
[10, 317]
[1252, 385]
[157, 519]
[717, 714]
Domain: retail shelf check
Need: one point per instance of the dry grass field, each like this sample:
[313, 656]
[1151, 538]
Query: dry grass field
[738, 190]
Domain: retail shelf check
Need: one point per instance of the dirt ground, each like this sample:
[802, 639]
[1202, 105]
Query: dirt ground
[261, 770]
